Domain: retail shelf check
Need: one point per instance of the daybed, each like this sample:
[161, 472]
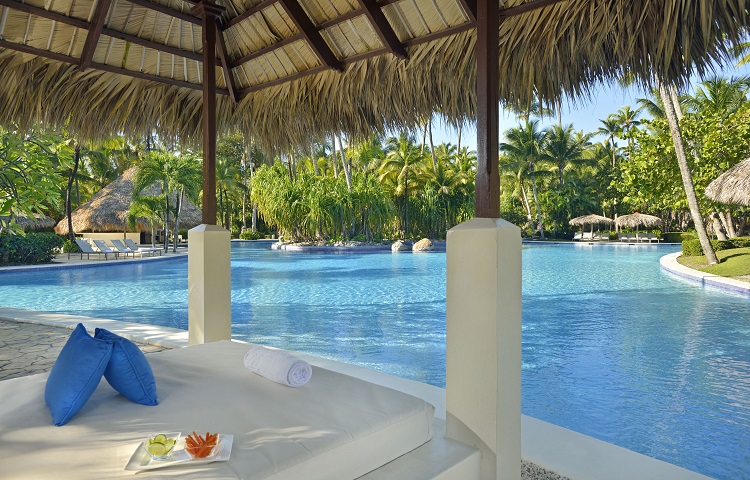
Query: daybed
[335, 427]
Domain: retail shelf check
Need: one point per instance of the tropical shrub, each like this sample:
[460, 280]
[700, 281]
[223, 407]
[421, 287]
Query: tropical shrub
[70, 247]
[692, 247]
[29, 249]
[249, 235]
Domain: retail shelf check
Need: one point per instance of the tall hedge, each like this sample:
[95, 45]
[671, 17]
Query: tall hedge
[29, 249]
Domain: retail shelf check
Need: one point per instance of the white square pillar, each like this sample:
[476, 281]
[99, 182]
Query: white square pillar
[483, 342]
[209, 285]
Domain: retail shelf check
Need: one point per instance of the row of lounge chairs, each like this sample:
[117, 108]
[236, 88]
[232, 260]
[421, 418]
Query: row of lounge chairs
[116, 249]
[622, 237]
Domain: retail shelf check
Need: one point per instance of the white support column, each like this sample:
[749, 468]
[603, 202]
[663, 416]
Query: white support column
[483, 370]
[209, 286]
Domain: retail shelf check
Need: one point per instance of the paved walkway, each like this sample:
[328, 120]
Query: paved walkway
[27, 348]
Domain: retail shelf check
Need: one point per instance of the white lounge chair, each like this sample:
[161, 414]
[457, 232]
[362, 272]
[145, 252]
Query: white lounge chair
[624, 237]
[104, 248]
[131, 245]
[578, 236]
[86, 249]
[587, 236]
[120, 248]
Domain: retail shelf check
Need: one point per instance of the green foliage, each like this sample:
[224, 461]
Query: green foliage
[70, 247]
[740, 242]
[29, 249]
[692, 247]
[735, 262]
[677, 237]
[250, 235]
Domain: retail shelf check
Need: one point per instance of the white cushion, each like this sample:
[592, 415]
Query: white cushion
[336, 426]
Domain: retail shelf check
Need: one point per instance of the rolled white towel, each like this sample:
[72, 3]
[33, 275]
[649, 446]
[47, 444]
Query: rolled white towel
[278, 365]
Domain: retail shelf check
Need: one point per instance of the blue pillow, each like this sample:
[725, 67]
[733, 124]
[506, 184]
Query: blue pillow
[75, 374]
[128, 371]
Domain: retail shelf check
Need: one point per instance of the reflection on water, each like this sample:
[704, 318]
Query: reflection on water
[613, 347]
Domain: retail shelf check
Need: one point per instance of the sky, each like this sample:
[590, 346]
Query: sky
[585, 115]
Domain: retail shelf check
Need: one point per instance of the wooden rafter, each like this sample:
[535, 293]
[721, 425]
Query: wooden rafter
[167, 11]
[154, 45]
[249, 13]
[95, 31]
[470, 7]
[383, 28]
[40, 12]
[305, 26]
[103, 67]
[267, 49]
[226, 65]
[527, 7]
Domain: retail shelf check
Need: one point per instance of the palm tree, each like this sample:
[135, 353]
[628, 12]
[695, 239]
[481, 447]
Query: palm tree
[611, 128]
[564, 149]
[668, 93]
[525, 143]
[149, 208]
[227, 180]
[402, 158]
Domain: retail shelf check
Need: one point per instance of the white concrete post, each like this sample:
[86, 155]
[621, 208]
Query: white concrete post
[209, 286]
[483, 342]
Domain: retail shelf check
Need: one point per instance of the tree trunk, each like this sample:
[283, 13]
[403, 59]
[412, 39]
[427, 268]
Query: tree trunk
[424, 137]
[432, 147]
[406, 205]
[718, 230]
[528, 207]
[254, 226]
[166, 218]
[78, 194]
[314, 159]
[244, 182]
[667, 93]
[458, 148]
[726, 217]
[69, 190]
[536, 202]
[335, 157]
[178, 209]
[347, 170]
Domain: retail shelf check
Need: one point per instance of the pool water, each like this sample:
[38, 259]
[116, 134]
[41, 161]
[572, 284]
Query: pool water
[613, 346]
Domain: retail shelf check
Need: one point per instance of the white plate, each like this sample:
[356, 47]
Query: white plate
[140, 460]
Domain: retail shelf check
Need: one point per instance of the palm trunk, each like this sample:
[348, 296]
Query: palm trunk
[180, 199]
[667, 94]
[406, 205]
[347, 170]
[314, 159]
[728, 223]
[335, 157]
[526, 205]
[432, 147]
[68, 192]
[718, 230]
[536, 202]
[254, 226]
[458, 148]
[166, 218]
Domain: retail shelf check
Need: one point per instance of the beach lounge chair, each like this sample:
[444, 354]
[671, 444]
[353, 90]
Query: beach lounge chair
[120, 248]
[624, 237]
[578, 236]
[131, 245]
[104, 248]
[87, 250]
[587, 236]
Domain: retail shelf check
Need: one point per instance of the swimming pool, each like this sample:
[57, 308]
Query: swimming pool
[613, 347]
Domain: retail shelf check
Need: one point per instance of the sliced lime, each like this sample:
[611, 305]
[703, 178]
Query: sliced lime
[161, 438]
[170, 442]
[157, 450]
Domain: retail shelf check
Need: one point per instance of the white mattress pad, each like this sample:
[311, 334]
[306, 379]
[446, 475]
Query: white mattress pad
[335, 427]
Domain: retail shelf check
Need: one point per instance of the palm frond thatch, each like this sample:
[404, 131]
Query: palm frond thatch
[732, 186]
[590, 219]
[107, 211]
[37, 222]
[635, 220]
[289, 95]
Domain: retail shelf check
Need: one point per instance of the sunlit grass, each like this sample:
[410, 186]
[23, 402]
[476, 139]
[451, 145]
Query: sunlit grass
[734, 262]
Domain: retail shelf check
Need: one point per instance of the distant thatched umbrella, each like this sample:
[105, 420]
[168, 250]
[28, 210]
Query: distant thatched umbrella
[635, 220]
[37, 222]
[732, 186]
[590, 219]
[107, 211]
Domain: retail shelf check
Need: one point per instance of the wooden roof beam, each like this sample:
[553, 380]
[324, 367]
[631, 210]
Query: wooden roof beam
[40, 12]
[226, 65]
[95, 31]
[470, 7]
[267, 49]
[167, 11]
[383, 28]
[527, 7]
[311, 34]
[248, 13]
[102, 67]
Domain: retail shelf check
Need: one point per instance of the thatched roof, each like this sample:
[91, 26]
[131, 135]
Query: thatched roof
[37, 222]
[305, 68]
[107, 211]
[590, 219]
[635, 220]
[732, 186]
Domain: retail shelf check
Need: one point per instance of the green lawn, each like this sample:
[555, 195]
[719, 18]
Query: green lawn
[734, 262]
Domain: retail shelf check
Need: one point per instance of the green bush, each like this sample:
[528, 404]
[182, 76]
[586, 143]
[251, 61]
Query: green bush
[692, 247]
[741, 242]
[29, 249]
[250, 235]
[70, 247]
[677, 237]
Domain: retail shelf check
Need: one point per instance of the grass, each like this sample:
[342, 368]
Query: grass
[734, 262]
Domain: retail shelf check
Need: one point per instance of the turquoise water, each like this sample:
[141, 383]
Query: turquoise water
[613, 347]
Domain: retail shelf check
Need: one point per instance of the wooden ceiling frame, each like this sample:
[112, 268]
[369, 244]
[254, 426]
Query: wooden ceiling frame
[382, 28]
[94, 32]
[307, 31]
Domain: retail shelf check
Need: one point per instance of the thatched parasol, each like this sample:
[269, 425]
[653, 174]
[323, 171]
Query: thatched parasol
[590, 219]
[732, 186]
[107, 211]
[301, 69]
[635, 220]
[37, 222]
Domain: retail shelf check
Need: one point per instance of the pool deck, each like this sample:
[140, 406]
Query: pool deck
[30, 342]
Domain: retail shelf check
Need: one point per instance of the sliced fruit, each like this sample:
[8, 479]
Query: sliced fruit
[157, 450]
[161, 438]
